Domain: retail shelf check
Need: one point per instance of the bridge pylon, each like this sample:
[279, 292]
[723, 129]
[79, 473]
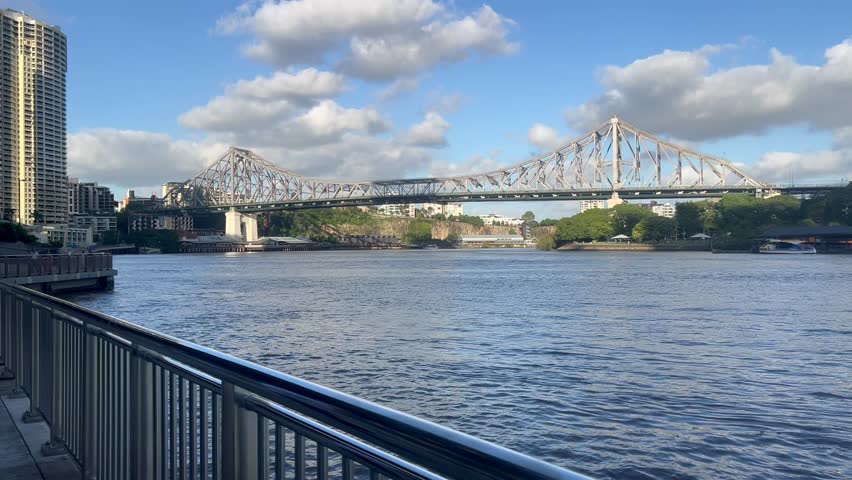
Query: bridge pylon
[240, 226]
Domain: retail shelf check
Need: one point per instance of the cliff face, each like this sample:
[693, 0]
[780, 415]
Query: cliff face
[398, 227]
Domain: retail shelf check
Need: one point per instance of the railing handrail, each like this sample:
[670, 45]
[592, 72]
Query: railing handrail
[448, 453]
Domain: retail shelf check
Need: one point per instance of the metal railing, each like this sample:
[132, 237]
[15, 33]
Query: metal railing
[129, 402]
[34, 266]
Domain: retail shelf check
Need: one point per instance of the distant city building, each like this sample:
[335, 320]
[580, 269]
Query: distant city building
[445, 209]
[134, 202]
[33, 65]
[167, 187]
[89, 197]
[663, 210]
[99, 224]
[494, 219]
[397, 210]
[140, 222]
[591, 204]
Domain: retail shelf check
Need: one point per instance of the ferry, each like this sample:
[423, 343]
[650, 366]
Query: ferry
[786, 247]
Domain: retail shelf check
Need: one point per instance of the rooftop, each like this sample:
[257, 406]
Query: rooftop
[808, 231]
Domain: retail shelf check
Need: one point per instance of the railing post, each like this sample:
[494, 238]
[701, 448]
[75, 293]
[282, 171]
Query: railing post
[30, 317]
[17, 345]
[143, 418]
[239, 435]
[55, 445]
[90, 394]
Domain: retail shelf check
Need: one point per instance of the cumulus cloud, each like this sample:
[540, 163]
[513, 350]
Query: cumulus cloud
[386, 38]
[679, 93]
[821, 166]
[115, 157]
[544, 137]
[473, 165]
[309, 83]
[226, 113]
[399, 87]
[431, 132]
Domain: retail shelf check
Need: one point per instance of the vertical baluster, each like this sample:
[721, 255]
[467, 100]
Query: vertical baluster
[181, 418]
[279, 452]
[347, 468]
[262, 447]
[216, 416]
[163, 424]
[204, 436]
[193, 432]
[173, 405]
[229, 447]
[300, 456]
[322, 462]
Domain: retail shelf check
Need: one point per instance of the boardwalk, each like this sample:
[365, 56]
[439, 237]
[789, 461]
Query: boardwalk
[20, 444]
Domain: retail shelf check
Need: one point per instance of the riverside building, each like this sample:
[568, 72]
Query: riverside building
[33, 65]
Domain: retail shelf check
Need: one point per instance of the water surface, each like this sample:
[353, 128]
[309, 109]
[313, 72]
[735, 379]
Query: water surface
[618, 365]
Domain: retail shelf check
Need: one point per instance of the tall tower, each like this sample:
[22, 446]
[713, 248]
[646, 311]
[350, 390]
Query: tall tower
[33, 63]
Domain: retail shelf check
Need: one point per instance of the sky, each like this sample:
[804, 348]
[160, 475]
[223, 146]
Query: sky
[366, 90]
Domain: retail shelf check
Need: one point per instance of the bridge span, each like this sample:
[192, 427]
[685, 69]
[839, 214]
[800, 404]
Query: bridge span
[614, 161]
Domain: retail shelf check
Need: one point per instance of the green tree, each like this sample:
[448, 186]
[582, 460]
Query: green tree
[419, 231]
[528, 217]
[688, 218]
[626, 216]
[546, 242]
[654, 229]
[594, 224]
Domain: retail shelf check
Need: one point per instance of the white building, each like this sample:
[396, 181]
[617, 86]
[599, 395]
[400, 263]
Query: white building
[33, 64]
[445, 209]
[397, 210]
[494, 219]
[590, 204]
[666, 210]
[97, 223]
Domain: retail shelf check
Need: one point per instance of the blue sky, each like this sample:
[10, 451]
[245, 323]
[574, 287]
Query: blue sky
[749, 81]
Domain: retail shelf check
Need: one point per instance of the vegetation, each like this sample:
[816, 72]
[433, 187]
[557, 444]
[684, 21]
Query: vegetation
[15, 232]
[419, 231]
[654, 229]
[546, 242]
[734, 221]
[469, 219]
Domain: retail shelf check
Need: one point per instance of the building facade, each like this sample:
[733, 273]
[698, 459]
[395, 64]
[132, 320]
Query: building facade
[33, 65]
[494, 219]
[661, 209]
[591, 204]
[89, 197]
[446, 209]
[397, 210]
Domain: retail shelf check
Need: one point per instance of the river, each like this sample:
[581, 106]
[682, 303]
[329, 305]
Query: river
[618, 365]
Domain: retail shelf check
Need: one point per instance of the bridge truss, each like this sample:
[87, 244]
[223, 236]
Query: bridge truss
[615, 158]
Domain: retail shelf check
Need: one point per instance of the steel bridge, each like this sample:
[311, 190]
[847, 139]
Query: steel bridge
[615, 160]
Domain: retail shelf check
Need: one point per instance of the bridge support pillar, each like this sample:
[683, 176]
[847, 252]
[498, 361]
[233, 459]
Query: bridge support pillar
[240, 226]
[614, 200]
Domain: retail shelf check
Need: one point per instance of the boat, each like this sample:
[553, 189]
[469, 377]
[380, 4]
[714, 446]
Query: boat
[786, 247]
[430, 247]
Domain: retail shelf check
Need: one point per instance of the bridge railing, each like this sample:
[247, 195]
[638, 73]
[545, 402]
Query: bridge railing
[129, 402]
[34, 266]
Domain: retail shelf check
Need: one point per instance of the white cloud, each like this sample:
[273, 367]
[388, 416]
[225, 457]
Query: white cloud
[473, 165]
[382, 58]
[679, 94]
[227, 113]
[821, 166]
[447, 103]
[309, 83]
[386, 38]
[431, 132]
[399, 87]
[132, 158]
[544, 138]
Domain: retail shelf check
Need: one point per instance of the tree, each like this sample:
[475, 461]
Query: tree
[654, 229]
[594, 224]
[688, 218]
[419, 231]
[528, 217]
[546, 242]
[626, 216]
[37, 216]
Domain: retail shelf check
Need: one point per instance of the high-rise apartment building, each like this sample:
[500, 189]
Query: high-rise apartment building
[89, 197]
[33, 182]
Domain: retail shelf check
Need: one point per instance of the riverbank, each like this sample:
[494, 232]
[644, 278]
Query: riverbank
[635, 247]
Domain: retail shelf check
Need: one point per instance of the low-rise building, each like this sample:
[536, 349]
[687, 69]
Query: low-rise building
[661, 209]
[591, 204]
[397, 210]
[492, 240]
[181, 223]
[494, 219]
[445, 209]
[98, 223]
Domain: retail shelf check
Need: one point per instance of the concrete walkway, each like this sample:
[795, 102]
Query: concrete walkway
[20, 444]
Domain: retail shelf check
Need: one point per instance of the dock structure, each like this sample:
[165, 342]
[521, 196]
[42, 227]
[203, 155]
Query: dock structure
[124, 401]
[59, 273]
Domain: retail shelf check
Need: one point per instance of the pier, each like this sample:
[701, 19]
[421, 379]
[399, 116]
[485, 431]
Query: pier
[59, 273]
